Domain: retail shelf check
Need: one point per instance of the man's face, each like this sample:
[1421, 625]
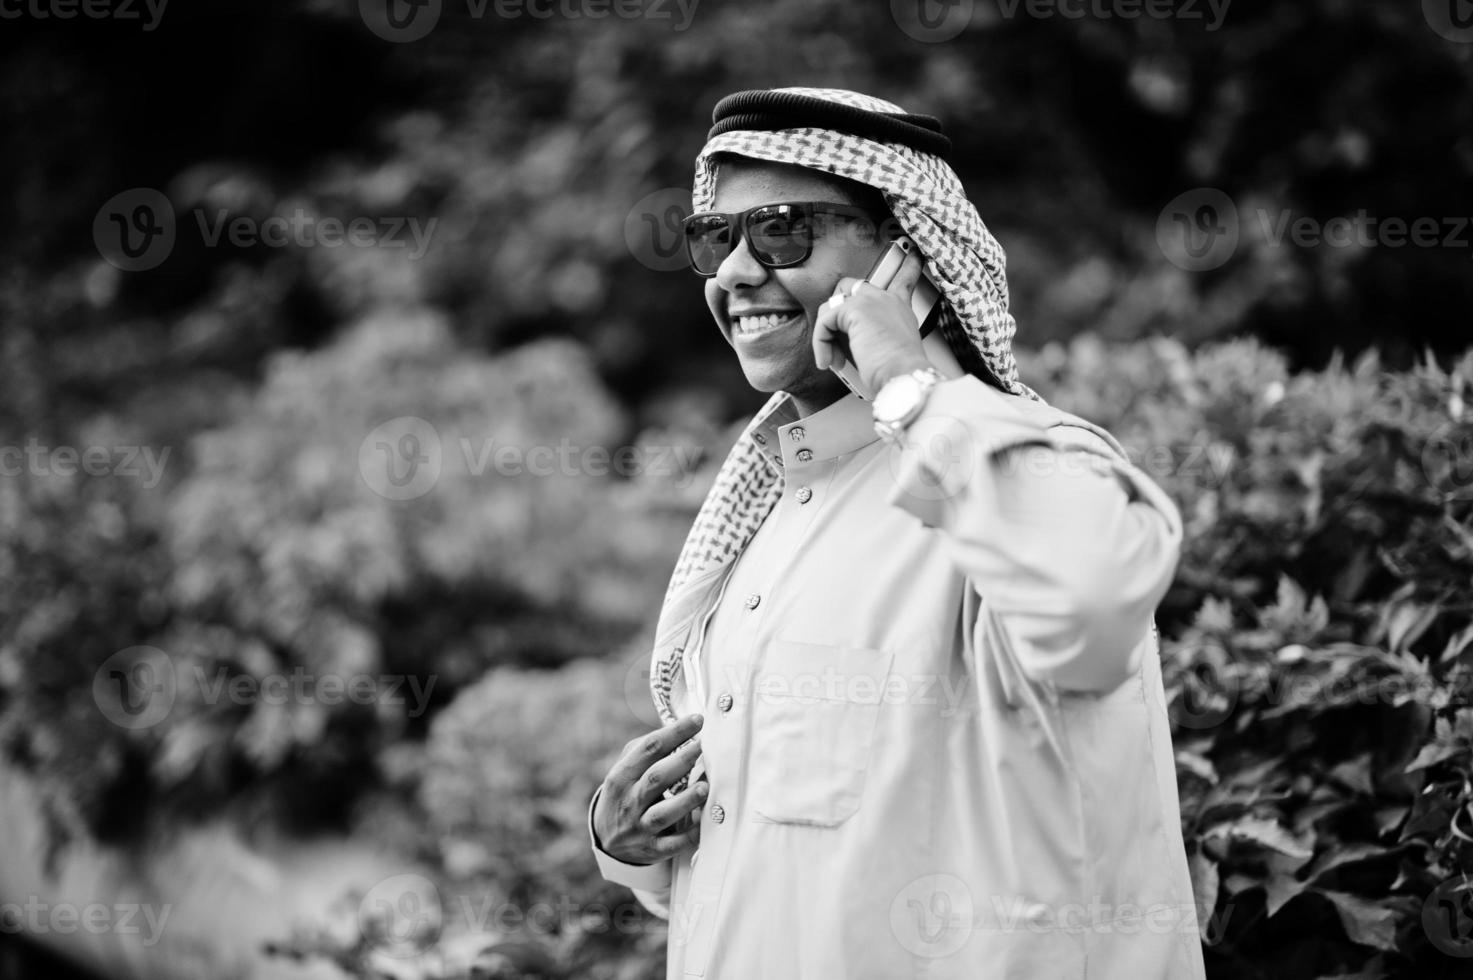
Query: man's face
[777, 355]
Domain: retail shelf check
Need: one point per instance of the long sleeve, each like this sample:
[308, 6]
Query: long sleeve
[649, 882]
[1070, 545]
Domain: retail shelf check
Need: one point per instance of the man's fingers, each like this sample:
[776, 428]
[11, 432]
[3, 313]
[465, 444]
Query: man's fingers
[828, 339]
[647, 750]
[908, 275]
[667, 813]
[667, 772]
[672, 845]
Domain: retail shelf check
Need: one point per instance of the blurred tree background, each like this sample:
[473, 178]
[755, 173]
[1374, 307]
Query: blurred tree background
[541, 310]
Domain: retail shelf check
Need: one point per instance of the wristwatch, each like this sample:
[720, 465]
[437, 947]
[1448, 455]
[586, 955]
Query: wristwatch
[901, 399]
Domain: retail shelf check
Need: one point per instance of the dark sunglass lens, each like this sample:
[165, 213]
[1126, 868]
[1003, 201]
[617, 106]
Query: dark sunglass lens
[781, 235]
[708, 239]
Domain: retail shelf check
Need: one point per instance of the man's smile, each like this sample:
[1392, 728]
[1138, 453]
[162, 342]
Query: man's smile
[750, 327]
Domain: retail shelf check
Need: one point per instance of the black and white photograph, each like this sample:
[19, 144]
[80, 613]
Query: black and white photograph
[736, 490]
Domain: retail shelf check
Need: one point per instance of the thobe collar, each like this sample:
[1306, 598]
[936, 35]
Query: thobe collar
[789, 441]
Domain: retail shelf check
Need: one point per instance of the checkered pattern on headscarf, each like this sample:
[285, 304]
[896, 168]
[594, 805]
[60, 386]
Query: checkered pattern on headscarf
[963, 259]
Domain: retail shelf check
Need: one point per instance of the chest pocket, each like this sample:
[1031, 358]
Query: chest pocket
[814, 712]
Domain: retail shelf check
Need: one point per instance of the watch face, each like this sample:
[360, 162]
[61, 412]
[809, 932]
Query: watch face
[895, 398]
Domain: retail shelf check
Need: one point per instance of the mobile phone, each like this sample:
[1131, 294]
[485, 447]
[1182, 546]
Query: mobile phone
[923, 303]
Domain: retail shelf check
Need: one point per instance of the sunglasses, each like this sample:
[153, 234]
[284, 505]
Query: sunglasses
[778, 235]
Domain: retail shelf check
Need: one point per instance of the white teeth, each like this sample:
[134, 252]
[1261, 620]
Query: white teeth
[757, 324]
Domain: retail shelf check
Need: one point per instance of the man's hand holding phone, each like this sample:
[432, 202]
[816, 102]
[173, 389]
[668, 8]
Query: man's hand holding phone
[869, 332]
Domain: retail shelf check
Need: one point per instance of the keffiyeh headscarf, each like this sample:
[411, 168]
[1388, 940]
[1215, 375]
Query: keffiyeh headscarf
[873, 142]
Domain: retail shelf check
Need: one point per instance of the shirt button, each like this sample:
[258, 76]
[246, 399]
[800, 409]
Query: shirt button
[796, 433]
[761, 439]
[752, 600]
[718, 813]
[804, 495]
[724, 702]
[804, 455]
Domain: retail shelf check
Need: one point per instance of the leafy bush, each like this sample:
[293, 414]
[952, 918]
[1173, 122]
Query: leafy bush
[276, 554]
[508, 772]
[1319, 645]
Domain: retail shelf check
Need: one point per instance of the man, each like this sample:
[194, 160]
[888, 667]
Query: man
[915, 633]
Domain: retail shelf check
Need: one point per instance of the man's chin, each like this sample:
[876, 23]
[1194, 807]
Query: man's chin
[809, 385]
[763, 377]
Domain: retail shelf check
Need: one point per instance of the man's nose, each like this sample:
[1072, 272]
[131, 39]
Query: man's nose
[740, 268]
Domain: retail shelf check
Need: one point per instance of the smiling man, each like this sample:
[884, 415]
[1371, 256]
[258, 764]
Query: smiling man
[915, 721]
